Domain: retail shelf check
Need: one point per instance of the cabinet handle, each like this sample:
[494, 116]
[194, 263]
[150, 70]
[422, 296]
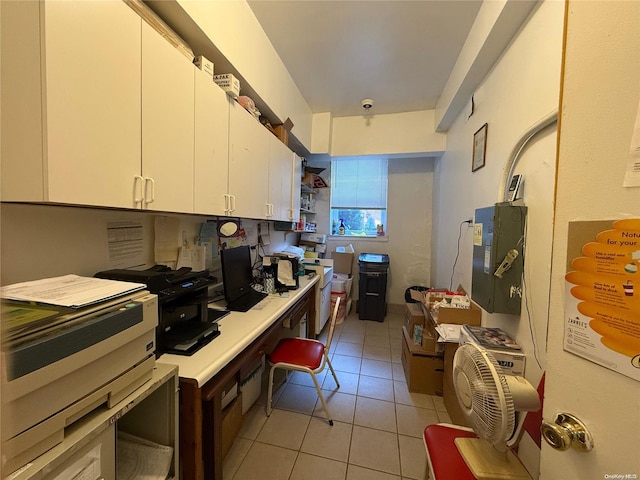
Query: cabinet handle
[226, 203]
[149, 181]
[138, 185]
[232, 203]
[290, 212]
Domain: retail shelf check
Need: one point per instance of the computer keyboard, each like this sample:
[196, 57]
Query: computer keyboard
[246, 302]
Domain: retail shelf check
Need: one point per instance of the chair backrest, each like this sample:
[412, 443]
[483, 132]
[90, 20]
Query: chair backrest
[332, 326]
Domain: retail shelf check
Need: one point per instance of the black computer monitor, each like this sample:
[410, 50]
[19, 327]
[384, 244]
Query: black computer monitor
[237, 274]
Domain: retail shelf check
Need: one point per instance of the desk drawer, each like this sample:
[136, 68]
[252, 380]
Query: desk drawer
[292, 317]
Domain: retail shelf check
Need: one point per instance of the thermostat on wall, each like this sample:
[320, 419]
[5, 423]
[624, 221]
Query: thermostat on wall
[514, 188]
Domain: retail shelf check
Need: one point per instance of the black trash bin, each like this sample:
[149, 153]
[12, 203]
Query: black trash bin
[372, 299]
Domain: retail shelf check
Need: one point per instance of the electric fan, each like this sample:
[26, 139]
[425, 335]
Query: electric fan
[489, 400]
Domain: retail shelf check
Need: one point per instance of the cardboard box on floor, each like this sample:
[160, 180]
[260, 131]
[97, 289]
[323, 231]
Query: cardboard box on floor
[423, 370]
[414, 317]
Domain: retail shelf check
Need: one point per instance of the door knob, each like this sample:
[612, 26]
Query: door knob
[566, 432]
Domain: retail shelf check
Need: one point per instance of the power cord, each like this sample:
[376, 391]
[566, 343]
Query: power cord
[457, 254]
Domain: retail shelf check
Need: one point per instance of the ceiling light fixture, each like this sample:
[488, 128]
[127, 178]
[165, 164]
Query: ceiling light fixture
[367, 104]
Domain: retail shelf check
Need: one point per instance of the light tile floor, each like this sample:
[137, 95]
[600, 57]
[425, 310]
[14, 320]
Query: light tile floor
[378, 423]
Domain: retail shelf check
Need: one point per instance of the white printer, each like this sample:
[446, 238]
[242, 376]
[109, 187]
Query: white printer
[67, 363]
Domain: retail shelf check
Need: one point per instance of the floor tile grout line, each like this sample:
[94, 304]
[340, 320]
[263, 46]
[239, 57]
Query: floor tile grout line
[352, 423]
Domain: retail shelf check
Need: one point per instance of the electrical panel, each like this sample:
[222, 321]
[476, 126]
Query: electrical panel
[498, 260]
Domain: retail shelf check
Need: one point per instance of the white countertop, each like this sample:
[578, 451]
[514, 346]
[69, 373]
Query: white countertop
[237, 331]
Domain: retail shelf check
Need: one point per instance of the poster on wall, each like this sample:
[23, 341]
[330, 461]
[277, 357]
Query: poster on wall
[602, 298]
[632, 174]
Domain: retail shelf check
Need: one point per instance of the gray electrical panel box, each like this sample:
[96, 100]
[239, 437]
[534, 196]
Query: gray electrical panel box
[498, 262]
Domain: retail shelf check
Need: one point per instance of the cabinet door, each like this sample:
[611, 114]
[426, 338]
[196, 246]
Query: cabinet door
[248, 164]
[211, 146]
[91, 79]
[167, 124]
[280, 165]
[296, 181]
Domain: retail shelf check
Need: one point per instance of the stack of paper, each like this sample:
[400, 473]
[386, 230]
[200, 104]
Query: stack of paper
[69, 290]
[139, 458]
[448, 332]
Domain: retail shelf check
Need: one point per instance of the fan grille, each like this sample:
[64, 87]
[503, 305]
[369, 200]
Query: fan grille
[483, 394]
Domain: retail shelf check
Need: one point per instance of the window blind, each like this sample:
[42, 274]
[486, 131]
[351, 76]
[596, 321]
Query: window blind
[359, 182]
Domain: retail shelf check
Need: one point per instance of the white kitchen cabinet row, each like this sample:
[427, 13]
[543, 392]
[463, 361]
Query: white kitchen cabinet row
[99, 109]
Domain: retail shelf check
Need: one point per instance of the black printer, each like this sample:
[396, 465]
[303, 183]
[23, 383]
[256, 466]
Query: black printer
[185, 323]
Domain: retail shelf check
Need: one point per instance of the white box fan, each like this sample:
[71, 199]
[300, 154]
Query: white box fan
[489, 399]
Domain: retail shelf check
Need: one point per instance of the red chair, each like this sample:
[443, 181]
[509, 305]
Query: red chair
[304, 355]
[445, 462]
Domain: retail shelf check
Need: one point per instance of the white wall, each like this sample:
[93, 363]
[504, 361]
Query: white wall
[407, 132]
[521, 89]
[601, 93]
[408, 240]
[40, 241]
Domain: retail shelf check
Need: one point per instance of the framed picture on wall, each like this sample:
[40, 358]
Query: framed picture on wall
[479, 148]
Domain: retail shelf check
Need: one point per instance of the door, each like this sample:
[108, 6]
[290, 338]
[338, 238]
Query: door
[211, 146]
[92, 112]
[599, 103]
[248, 164]
[167, 124]
[280, 166]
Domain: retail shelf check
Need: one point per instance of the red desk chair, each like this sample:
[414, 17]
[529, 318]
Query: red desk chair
[304, 355]
[445, 462]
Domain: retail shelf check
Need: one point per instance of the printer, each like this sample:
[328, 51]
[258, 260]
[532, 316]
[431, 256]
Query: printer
[185, 323]
[67, 362]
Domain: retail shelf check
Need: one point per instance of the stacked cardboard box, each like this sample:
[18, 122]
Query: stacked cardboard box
[423, 369]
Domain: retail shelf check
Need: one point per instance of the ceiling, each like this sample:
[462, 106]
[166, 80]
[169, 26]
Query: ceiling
[398, 53]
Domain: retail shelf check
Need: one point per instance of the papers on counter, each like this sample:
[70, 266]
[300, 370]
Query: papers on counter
[448, 332]
[69, 290]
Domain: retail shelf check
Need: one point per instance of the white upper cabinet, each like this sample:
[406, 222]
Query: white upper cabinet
[280, 180]
[211, 147]
[70, 102]
[248, 164]
[167, 125]
[296, 181]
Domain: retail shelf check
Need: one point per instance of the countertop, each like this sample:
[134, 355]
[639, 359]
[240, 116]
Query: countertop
[237, 331]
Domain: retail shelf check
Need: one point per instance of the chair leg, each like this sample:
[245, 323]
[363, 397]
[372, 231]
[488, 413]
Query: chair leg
[270, 390]
[324, 403]
[333, 372]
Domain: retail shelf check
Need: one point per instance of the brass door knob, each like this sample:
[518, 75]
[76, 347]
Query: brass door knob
[567, 432]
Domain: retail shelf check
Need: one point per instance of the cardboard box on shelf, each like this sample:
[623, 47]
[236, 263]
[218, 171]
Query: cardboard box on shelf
[458, 316]
[204, 64]
[455, 315]
[512, 362]
[228, 83]
[422, 369]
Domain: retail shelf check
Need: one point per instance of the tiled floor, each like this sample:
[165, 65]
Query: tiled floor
[378, 423]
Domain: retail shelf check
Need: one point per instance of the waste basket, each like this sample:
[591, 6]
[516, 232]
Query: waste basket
[372, 298]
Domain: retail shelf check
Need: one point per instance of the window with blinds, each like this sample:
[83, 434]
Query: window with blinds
[359, 196]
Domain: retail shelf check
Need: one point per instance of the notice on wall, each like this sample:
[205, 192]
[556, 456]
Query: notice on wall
[602, 298]
[126, 244]
[632, 174]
